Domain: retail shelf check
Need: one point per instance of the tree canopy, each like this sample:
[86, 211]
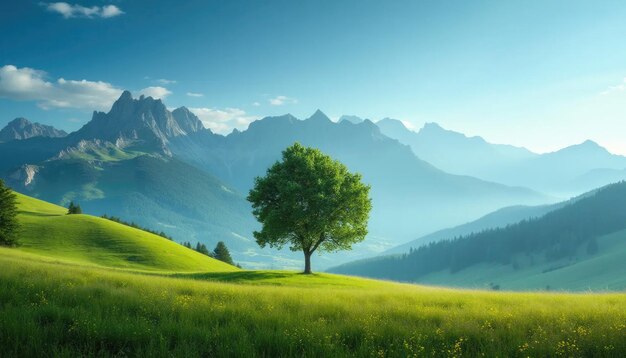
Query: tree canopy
[310, 202]
[8, 216]
[221, 253]
[74, 209]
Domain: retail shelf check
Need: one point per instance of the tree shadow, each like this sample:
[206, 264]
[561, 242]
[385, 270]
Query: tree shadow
[237, 276]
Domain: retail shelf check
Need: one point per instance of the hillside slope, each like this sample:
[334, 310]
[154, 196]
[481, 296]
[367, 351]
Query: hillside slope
[85, 239]
[61, 310]
[579, 246]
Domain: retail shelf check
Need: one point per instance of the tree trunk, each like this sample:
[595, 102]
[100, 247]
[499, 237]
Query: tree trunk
[307, 262]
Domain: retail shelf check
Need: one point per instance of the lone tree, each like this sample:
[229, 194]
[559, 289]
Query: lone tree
[8, 216]
[310, 201]
[221, 253]
[75, 209]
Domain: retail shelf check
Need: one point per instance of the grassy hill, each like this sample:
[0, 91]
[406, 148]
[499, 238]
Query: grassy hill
[55, 309]
[85, 239]
[71, 290]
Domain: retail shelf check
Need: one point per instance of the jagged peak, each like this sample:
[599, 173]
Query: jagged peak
[319, 115]
[350, 119]
[433, 126]
[19, 121]
[126, 95]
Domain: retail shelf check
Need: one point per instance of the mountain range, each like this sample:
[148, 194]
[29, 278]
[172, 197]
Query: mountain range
[563, 173]
[164, 170]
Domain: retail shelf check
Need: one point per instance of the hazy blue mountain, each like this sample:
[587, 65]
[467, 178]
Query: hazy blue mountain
[562, 249]
[351, 119]
[411, 197]
[567, 171]
[498, 218]
[562, 173]
[22, 128]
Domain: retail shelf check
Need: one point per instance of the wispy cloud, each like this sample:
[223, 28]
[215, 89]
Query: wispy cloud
[282, 100]
[76, 10]
[256, 104]
[223, 121]
[155, 92]
[29, 84]
[193, 94]
[164, 81]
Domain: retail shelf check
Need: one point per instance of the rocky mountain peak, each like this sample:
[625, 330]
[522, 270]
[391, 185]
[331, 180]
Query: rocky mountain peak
[21, 128]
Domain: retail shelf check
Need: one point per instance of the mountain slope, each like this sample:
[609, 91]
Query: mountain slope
[452, 151]
[543, 251]
[159, 192]
[565, 173]
[85, 239]
[409, 195]
[499, 218]
[22, 128]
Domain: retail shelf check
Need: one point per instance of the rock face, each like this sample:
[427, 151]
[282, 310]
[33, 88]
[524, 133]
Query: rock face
[144, 121]
[22, 128]
[25, 175]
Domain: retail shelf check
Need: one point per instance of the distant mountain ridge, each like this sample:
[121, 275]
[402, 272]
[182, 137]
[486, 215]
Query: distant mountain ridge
[564, 173]
[22, 128]
[410, 196]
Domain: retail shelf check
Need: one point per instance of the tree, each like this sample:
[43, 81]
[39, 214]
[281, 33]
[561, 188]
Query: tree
[9, 225]
[310, 201]
[221, 253]
[74, 209]
[201, 248]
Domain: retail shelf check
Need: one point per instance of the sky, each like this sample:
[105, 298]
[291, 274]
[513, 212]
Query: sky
[539, 74]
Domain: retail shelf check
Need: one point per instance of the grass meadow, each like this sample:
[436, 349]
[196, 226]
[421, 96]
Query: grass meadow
[58, 309]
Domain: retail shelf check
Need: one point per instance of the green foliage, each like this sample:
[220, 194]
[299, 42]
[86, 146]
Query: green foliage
[221, 253]
[8, 216]
[74, 209]
[76, 311]
[310, 201]
[201, 248]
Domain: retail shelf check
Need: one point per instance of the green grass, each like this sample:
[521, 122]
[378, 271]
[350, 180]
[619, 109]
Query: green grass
[84, 239]
[65, 293]
[603, 271]
[54, 309]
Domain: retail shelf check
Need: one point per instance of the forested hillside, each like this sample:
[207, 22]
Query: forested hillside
[569, 233]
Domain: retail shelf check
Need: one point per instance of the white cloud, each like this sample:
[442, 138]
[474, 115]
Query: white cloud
[256, 104]
[27, 84]
[155, 92]
[164, 81]
[281, 100]
[193, 94]
[110, 11]
[69, 11]
[223, 121]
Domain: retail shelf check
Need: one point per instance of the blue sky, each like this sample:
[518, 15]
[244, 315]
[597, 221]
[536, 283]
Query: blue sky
[542, 74]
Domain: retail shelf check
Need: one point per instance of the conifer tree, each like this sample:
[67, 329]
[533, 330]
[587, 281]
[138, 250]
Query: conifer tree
[8, 216]
[221, 253]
